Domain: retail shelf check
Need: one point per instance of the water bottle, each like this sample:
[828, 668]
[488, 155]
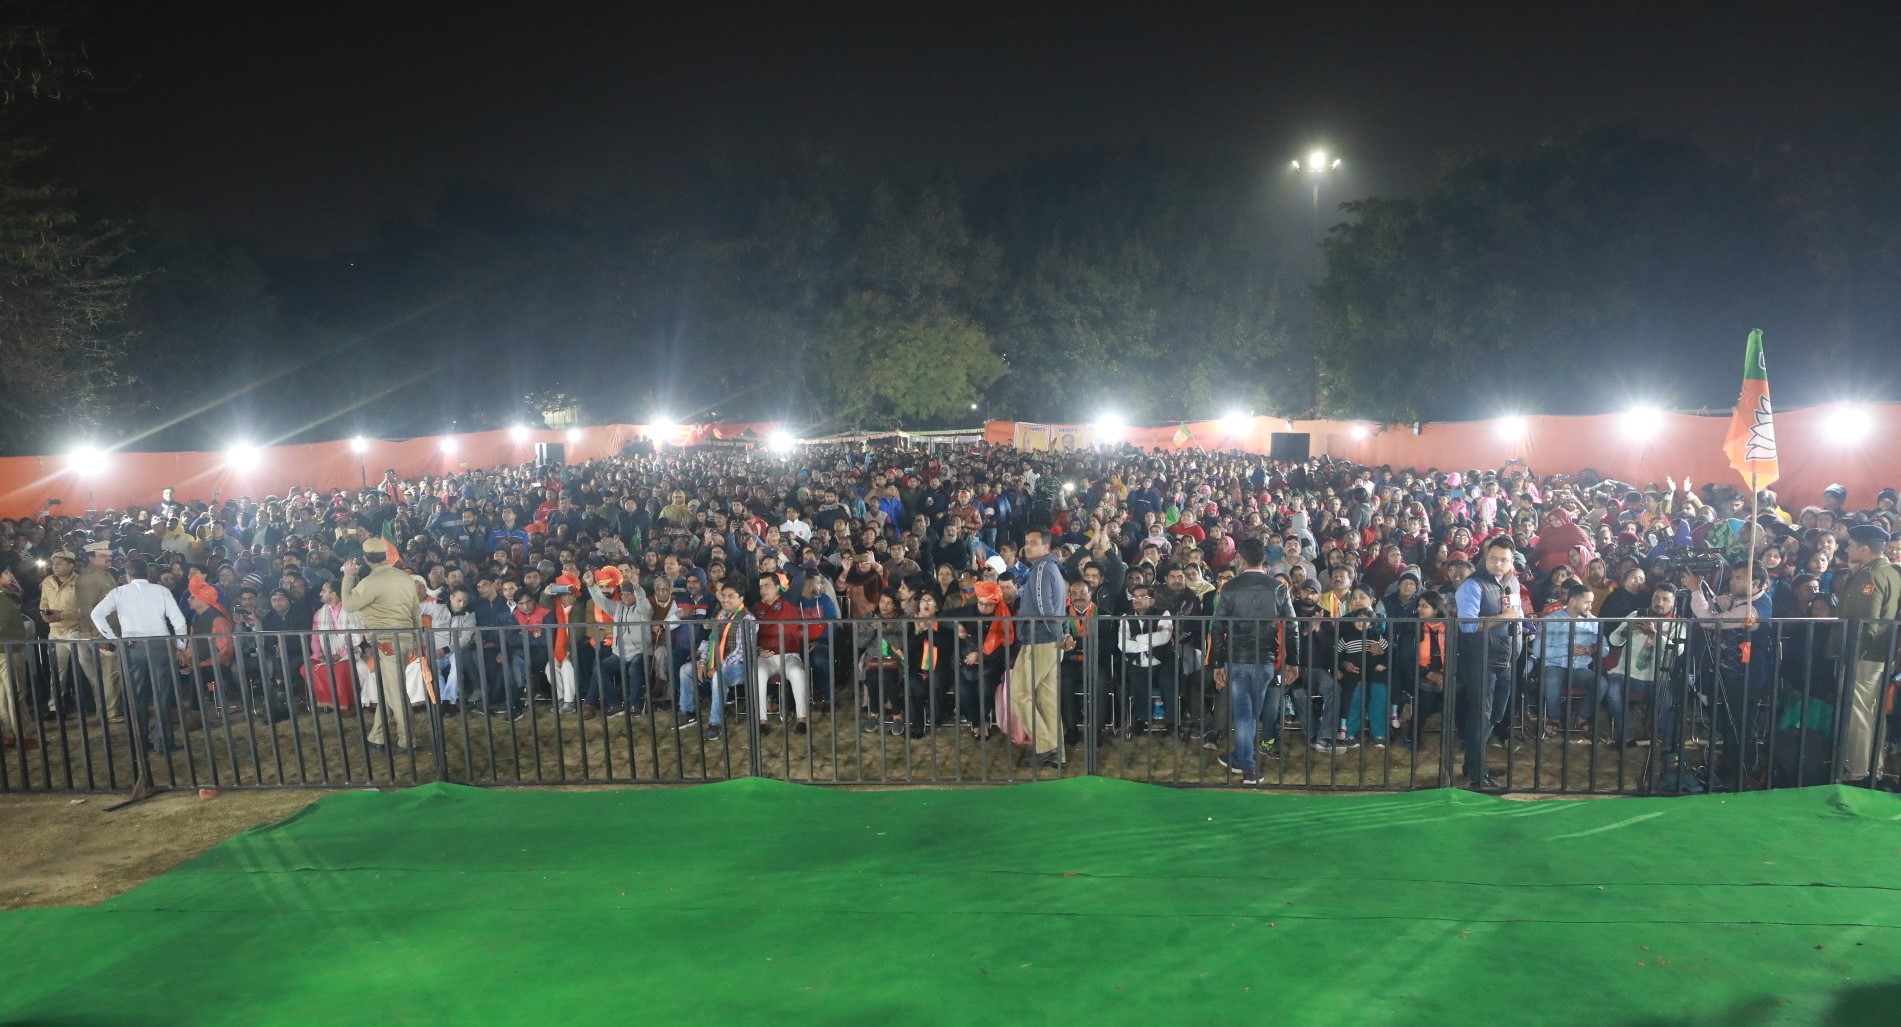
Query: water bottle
[1342, 736]
[1395, 718]
[1158, 710]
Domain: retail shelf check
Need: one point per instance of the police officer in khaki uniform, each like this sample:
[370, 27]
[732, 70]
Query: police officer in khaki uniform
[96, 580]
[1871, 595]
[386, 601]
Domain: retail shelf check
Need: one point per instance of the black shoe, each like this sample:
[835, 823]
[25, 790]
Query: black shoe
[1052, 759]
[1073, 736]
[714, 732]
[1487, 783]
[765, 728]
[1225, 765]
[685, 720]
[800, 728]
[394, 750]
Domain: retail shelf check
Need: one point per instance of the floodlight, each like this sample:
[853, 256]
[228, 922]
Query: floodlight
[1361, 432]
[518, 433]
[574, 434]
[1111, 428]
[1512, 429]
[448, 446]
[1235, 423]
[780, 442]
[1849, 423]
[87, 461]
[663, 431]
[1643, 423]
[242, 457]
[359, 445]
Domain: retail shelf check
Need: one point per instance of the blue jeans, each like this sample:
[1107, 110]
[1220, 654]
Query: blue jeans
[1370, 703]
[1247, 699]
[614, 677]
[1560, 680]
[1620, 690]
[728, 675]
[522, 664]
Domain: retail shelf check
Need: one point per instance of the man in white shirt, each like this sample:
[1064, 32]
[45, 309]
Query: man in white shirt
[147, 613]
[795, 526]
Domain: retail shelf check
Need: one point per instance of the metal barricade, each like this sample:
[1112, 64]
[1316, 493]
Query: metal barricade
[1353, 702]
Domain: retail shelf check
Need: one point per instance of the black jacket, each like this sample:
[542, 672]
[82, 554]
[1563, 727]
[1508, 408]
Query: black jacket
[1248, 613]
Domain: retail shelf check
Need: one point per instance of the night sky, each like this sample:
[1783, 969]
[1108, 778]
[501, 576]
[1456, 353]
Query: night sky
[297, 127]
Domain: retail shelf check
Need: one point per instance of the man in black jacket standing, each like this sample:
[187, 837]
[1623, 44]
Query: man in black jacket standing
[1245, 647]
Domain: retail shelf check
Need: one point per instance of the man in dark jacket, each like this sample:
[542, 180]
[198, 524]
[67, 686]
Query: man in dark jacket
[1245, 648]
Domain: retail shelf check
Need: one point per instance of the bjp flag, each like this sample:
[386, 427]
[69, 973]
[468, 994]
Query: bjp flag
[1751, 441]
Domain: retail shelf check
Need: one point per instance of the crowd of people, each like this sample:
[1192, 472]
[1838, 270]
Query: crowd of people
[1224, 598]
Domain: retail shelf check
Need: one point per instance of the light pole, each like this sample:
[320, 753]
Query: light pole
[1316, 167]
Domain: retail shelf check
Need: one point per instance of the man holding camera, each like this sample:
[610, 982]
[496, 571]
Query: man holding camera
[1746, 661]
[1871, 601]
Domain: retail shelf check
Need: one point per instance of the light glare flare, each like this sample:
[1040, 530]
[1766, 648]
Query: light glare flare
[242, 457]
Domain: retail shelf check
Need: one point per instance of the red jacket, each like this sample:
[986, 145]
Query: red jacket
[776, 635]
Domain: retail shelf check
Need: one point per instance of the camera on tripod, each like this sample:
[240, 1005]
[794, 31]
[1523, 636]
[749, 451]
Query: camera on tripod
[1707, 564]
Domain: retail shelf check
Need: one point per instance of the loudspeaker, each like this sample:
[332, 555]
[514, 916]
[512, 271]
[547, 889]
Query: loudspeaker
[551, 453]
[1289, 446]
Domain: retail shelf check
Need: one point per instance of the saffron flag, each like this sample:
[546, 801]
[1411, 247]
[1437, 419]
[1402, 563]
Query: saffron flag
[1182, 438]
[1751, 442]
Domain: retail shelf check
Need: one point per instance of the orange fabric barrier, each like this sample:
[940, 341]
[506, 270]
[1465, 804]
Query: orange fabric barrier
[135, 479]
[1684, 445]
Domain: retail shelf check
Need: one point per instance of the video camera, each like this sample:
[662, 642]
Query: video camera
[1707, 564]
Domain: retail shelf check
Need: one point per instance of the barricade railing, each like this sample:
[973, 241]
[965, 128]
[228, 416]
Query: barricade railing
[1359, 701]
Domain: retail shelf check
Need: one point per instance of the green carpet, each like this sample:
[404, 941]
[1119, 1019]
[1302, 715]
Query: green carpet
[1083, 901]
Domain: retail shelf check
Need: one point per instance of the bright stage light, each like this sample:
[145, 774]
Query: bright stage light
[1849, 423]
[1361, 433]
[1643, 423]
[242, 457]
[448, 447]
[1235, 424]
[574, 434]
[663, 431]
[359, 445]
[1512, 429]
[1111, 428]
[518, 433]
[780, 442]
[87, 461]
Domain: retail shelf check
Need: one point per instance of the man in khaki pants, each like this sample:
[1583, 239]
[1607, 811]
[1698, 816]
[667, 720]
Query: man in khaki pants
[1035, 684]
[1872, 596]
[100, 663]
[392, 617]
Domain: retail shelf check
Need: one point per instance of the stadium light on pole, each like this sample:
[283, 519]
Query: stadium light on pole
[359, 445]
[448, 446]
[1849, 423]
[574, 435]
[1317, 166]
[663, 431]
[518, 434]
[1235, 424]
[781, 442]
[1110, 429]
[1513, 429]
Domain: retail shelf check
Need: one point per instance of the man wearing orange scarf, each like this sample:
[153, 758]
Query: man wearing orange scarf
[988, 647]
[213, 653]
[570, 627]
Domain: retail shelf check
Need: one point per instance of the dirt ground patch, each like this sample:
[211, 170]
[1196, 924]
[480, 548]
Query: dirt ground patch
[65, 850]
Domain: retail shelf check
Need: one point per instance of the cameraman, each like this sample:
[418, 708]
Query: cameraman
[1746, 659]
